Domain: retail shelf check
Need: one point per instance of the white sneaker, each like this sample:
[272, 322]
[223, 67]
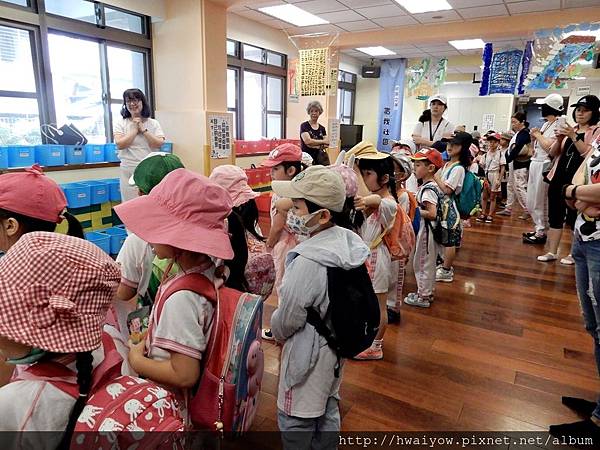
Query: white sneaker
[267, 335]
[548, 257]
[444, 275]
[415, 300]
[567, 260]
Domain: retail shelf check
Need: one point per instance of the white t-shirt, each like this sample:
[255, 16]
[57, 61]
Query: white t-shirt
[135, 259]
[493, 161]
[547, 130]
[453, 176]
[588, 228]
[139, 148]
[433, 132]
[404, 202]
[427, 194]
[412, 184]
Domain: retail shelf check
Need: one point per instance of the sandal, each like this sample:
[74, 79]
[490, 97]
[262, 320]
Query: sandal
[547, 257]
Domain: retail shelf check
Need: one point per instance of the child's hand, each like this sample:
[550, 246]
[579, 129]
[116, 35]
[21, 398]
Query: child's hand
[137, 349]
[359, 203]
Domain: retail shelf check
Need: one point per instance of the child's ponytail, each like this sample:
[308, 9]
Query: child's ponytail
[75, 228]
[83, 363]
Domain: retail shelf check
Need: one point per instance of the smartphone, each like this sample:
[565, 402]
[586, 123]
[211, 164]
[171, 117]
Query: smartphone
[561, 122]
[137, 324]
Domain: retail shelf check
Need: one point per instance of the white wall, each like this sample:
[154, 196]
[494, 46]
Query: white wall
[367, 106]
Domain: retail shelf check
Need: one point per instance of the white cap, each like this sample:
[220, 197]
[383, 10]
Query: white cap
[405, 141]
[440, 98]
[554, 101]
[307, 160]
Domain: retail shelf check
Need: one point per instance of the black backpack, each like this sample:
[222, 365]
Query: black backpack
[352, 319]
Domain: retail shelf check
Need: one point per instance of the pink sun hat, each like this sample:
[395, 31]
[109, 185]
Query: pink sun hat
[235, 181]
[55, 291]
[32, 194]
[186, 211]
[350, 178]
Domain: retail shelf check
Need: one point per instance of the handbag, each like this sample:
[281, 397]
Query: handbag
[525, 154]
[65, 135]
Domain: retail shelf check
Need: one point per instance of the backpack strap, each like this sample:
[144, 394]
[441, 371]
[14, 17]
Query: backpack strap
[379, 239]
[314, 318]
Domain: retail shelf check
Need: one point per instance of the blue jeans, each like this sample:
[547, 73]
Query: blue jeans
[587, 274]
[316, 433]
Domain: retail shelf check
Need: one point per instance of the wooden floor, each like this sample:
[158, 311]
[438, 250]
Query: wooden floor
[495, 352]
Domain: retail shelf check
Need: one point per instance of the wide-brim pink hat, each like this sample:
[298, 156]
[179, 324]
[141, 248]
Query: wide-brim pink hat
[235, 181]
[55, 291]
[186, 211]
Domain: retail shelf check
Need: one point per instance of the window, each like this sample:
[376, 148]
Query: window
[19, 107]
[256, 84]
[346, 97]
[90, 61]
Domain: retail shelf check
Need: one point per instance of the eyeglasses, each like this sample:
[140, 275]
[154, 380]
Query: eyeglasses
[132, 101]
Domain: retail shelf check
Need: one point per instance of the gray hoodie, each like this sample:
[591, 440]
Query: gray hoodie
[306, 378]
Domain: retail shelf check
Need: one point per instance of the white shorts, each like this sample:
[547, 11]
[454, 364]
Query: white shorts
[494, 181]
[380, 270]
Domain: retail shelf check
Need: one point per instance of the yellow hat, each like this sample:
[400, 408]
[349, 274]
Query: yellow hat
[365, 150]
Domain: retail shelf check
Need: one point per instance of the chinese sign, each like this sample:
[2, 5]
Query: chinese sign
[220, 127]
[391, 93]
[334, 132]
[504, 74]
[313, 71]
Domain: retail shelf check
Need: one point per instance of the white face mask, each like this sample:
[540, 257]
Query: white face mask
[297, 224]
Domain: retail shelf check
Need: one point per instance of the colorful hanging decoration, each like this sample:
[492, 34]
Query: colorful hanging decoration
[313, 71]
[505, 72]
[426, 77]
[525, 66]
[488, 52]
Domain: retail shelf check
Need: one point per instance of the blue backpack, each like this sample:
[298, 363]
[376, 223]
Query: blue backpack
[447, 230]
[468, 201]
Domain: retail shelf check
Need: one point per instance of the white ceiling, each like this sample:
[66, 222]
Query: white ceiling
[363, 15]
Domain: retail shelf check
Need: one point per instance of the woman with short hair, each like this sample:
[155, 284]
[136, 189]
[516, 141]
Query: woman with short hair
[313, 136]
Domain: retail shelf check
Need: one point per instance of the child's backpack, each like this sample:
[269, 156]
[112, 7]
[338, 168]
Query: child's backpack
[122, 413]
[468, 201]
[399, 238]
[413, 210]
[352, 318]
[447, 231]
[260, 268]
[226, 398]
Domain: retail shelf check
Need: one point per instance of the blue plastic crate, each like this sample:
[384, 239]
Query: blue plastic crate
[78, 195]
[50, 155]
[115, 189]
[74, 154]
[3, 157]
[100, 239]
[167, 147]
[117, 237]
[110, 153]
[99, 191]
[21, 155]
[94, 153]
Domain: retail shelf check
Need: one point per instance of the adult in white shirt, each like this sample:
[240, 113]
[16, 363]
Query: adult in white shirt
[537, 189]
[437, 128]
[136, 136]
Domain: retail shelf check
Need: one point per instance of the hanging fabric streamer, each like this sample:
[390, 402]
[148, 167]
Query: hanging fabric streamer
[525, 66]
[391, 94]
[488, 52]
[504, 72]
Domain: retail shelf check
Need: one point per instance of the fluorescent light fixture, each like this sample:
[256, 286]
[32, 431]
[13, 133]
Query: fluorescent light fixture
[292, 14]
[376, 51]
[585, 62]
[579, 78]
[467, 44]
[423, 6]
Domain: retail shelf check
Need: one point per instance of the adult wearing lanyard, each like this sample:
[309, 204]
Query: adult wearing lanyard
[517, 176]
[537, 189]
[437, 128]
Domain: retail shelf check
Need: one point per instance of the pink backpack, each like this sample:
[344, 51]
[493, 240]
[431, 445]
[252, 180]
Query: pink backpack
[226, 398]
[260, 268]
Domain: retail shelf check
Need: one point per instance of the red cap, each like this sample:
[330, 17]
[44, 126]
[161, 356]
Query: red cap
[32, 194]
[494, 136]
[283, 153]
[431, 155]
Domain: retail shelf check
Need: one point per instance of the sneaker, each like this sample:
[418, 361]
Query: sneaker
[415, 300]
[567, 260]
[524, 216]
[547, 257]
[529, 233]
[393, 316]
[466, 223]
[504, 212]
[535, 239]
[371, 354]
[480, 218]
[445, 275]
[267, 335]
[489, 219]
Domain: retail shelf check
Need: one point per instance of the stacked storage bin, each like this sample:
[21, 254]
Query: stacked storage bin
[3, 157]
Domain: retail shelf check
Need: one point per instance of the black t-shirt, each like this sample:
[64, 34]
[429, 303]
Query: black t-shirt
[319, 133]
[569, 162]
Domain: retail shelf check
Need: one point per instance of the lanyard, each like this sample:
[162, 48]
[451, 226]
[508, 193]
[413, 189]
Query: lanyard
[436, 129]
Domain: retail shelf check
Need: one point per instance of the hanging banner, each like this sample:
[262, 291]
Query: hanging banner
[391, 94]
[293, 81]
[488, 53]
[526, 66]
[313, 71]
[505, 72]
[426, 77]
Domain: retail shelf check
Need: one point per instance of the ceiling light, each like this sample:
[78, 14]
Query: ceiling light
[579, 78]
[585, 62]
[376, 51]
[292, 14]
[421, 6]
[467, 44]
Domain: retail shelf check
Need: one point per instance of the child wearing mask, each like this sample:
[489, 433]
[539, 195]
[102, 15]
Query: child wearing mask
[308, 413]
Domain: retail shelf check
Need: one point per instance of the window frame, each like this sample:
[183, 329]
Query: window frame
[40, 24]
[241, 65]
[343, 87]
